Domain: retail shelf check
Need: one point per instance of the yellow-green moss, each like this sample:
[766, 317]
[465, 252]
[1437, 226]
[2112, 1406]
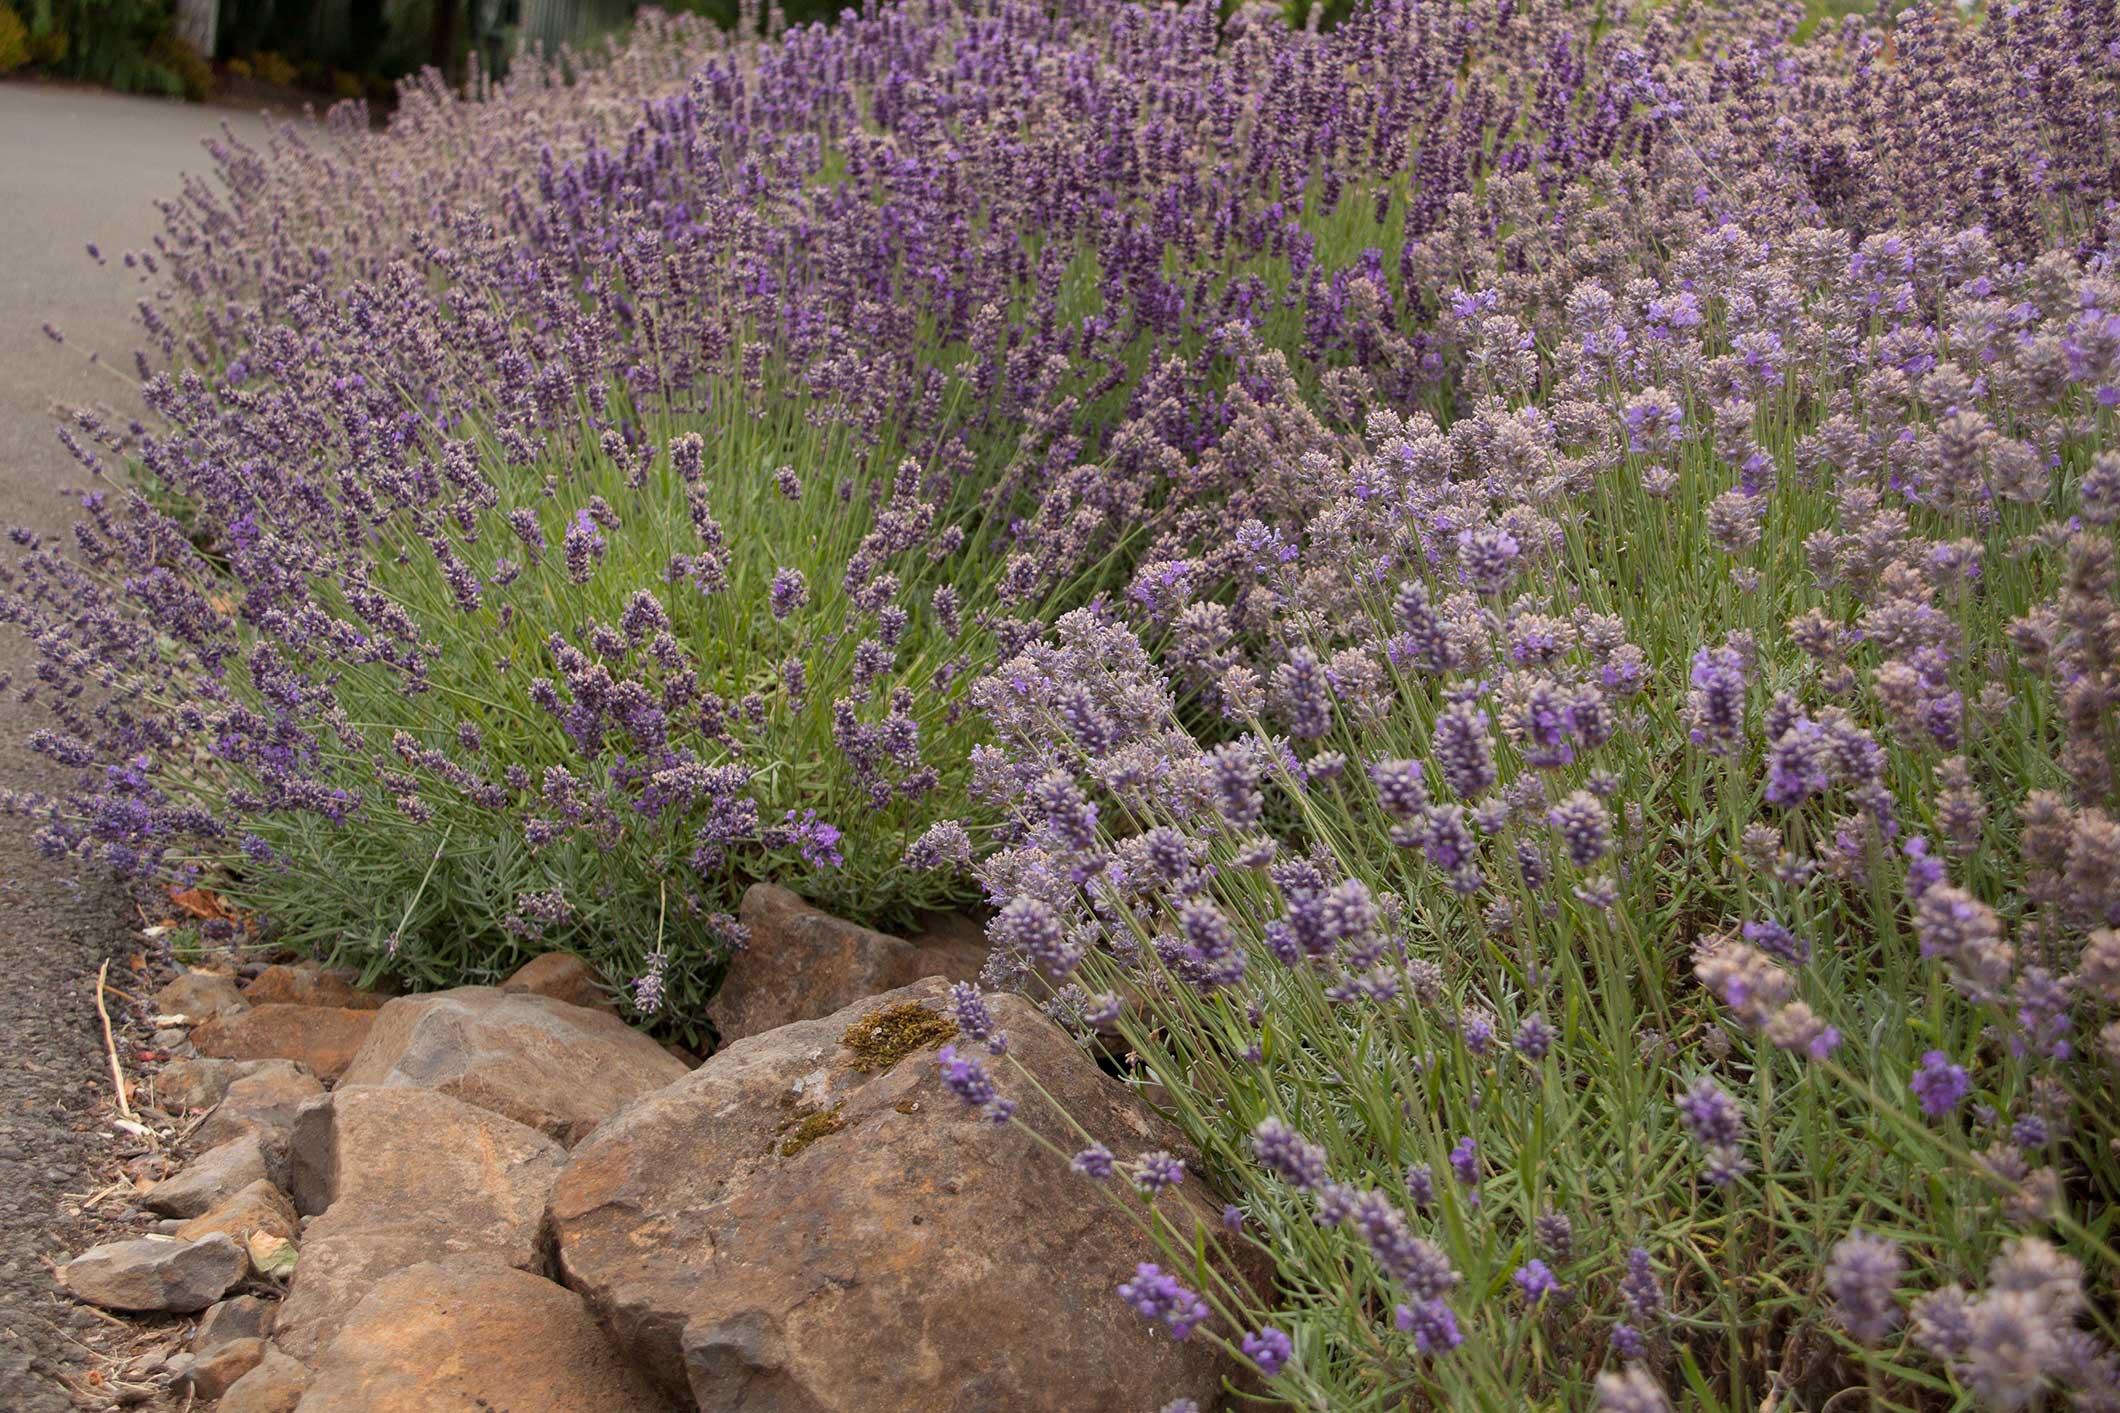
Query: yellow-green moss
[808, 1129]
[881, 1039]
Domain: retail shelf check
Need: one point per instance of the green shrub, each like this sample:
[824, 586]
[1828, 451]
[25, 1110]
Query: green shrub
[14, 40]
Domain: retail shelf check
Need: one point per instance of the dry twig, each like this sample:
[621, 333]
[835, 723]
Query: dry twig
[110, 1044]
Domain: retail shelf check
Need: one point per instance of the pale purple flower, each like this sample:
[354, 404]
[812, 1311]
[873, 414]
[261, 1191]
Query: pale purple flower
[1155, 1295]
[1270, 1349]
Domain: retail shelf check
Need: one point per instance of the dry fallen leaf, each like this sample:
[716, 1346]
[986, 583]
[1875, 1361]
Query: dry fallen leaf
[271, 1255]
[200, 903]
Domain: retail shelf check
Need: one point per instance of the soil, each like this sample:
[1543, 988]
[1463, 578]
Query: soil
[81, 166]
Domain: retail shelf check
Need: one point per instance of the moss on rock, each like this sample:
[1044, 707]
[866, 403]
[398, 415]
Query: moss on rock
[807, 1129]
[882, 1038]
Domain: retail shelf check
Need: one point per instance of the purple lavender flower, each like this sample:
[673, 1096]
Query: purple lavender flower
[1294, 1158]
[1400, 789]
[788, 592]
[1940, 1085]
[966, 1078]
[946, 844]
[817, 841]
[1158, 1171]
[1432, 1324]
[1095, 1161]
[1270, 1349]
[1639, 1289]
[648, 986]
[1716, 706]
[1030, 929]
[1071, 819]
[1463, 752]
[1536, 1282]
[584, 546]
[1155, 1295]
[1236, 784]
[1861, 1275]
[1465, 1162]
[1777, 941]
[1710, 1114]
[974, 1020]
[1557, 1234]
[1584, 827]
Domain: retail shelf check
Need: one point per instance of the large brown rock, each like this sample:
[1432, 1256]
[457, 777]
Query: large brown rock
[403, 1176]
[261, 1103]
[325, 1038]
[799, 1224]
[562, 976]
[200, 996]
[179, 1277]
[440, 1338]
[238, 1317]
[211, 1374]
[561, 1069]
[258, 1207]
[208, 1179]
[309, 984]
[274, 1386]
[193, 1084]
[801, 964]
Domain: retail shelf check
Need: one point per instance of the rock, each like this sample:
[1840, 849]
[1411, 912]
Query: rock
[151, 1274]
[201, 995]
[561, 1069]
[801, 964]
[453, 1336]
[309, 984]
[239, 1317]
[208, 1179]
[325, 1038]
[798, 1224]
[258, 1207]
[193, 1084]
[211, 1373]
[261, 1104]
[955, 929]
[274, 1386]
[562, 976]
[403, 1176]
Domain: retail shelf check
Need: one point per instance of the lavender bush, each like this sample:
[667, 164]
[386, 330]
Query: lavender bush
[1513, 605]
[567, 506]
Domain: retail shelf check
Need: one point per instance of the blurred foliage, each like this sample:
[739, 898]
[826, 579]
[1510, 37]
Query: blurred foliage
[14, 40]
[129, 45]
[727, 12]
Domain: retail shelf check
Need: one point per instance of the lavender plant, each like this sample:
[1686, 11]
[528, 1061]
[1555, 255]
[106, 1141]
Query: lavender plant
[1570, 872]
[613, 511]
[1569, 863]
[1512, 605]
